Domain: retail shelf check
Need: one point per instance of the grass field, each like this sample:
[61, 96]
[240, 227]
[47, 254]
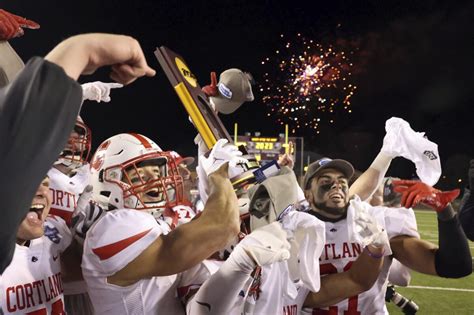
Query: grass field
[432, 294]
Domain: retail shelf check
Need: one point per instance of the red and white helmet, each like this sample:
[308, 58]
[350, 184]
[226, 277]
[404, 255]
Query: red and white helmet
[118, 184]
[76, 152]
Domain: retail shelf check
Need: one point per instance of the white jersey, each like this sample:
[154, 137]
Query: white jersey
[66, 190]
[339, 254]
[277, 294]
[32, 283]
[112, 243]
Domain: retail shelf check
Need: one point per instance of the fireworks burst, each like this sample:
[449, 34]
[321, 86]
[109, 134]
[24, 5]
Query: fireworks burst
[306, 84]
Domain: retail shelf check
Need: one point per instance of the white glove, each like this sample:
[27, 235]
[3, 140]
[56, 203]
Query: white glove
[264, 246]
[222, 152]
[85, 215]
[364, 229]
[401, 140]
[98, 91]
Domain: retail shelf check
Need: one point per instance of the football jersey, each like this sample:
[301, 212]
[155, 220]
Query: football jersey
[277, 294]
[65, 191]
[112, 243]
[339, 254]
[32, 283]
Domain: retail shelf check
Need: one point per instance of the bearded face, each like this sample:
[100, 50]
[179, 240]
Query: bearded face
[329, 193]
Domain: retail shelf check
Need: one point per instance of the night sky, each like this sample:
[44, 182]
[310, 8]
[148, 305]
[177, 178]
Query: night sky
[412, 60]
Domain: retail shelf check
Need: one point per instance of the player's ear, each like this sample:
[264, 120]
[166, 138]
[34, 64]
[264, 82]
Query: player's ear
[308, 194]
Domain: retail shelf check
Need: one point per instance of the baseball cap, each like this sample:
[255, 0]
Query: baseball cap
[316, 167]
[234, 88]
[10, 63]
[182, 160]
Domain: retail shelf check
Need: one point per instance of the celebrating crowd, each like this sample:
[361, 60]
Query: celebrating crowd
[122, 231]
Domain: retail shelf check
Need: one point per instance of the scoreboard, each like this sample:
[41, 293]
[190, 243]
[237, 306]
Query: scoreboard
[265, 149]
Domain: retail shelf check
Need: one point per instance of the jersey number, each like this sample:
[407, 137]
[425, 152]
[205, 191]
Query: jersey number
[326, 269]
[57, 308]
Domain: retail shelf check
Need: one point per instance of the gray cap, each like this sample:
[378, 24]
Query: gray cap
[10, 63]
[272, 197]
[316, 167]
[234, 88]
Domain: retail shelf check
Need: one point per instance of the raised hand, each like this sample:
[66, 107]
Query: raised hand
[221, 152]
[415, 192]
[85, 215]
[98, 91]
[12, 25]
[287, 158]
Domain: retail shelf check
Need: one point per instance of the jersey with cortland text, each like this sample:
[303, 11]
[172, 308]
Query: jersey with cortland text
[113, 242]
[65, 191]
[339, 254]
[32, 283]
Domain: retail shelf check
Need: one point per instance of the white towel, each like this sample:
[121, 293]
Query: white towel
[364, 225]
[307, 235]
[401, 140]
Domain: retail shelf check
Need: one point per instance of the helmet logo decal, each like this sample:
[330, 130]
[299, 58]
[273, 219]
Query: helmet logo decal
[97, 162]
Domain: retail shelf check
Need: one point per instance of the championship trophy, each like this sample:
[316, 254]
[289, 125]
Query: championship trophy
[203, 116]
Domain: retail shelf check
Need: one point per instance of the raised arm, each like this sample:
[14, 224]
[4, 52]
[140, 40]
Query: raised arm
[400, 140]
[83, 54]
[192, 242]
[221, 291]
[452, 259]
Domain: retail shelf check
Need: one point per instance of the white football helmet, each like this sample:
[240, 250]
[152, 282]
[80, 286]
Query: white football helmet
[120, 177]
[76, 152]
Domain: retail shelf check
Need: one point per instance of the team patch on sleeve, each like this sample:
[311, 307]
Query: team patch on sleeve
[52, 233]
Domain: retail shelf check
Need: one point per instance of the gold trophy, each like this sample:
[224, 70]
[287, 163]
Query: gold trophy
[203, 116]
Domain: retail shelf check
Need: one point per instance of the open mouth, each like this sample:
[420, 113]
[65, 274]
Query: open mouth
[153, 196]
[155, 193]
[336, 197]
[35, 214]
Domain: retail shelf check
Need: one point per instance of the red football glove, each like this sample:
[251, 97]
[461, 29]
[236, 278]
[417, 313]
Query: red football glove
[413, 192]
[11, 25]
[211, 89]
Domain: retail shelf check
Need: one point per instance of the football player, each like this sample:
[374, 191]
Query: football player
[32, 284]
[275, 269]
[43, 103]
[133, 261]
[327, 192]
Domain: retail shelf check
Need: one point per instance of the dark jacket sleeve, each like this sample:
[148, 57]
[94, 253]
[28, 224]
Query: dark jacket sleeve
[453, 258]
[466, 214]
[37, 113]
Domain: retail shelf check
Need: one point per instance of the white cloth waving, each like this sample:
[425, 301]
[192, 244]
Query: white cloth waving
[401, 140]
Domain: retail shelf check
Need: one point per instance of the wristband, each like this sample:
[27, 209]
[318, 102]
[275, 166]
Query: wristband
[377, 256]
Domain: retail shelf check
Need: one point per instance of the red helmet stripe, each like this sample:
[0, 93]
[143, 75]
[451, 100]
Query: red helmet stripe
[144, 141]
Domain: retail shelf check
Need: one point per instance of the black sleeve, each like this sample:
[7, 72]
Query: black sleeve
[37, 113]
[466, 214]
[453, 258]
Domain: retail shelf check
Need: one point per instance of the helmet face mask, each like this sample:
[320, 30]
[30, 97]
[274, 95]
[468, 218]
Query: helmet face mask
[127, 174]
[77, 150]
[148, 182]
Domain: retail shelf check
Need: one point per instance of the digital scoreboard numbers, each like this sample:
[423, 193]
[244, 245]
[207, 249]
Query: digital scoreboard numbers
[265, 149]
